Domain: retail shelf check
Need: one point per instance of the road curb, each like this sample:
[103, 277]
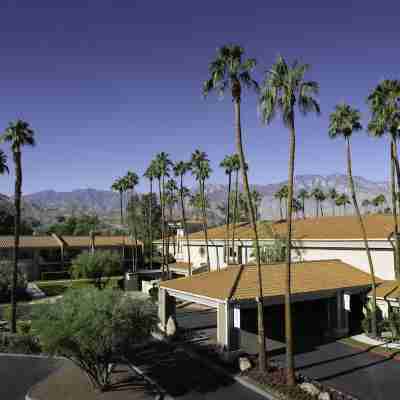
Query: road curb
[21, 355]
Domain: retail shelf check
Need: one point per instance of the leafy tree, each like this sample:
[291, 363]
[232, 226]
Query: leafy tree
[384, 106]
[230, 70]
[342, 123]
[6, 281]
[201, 170]
[19, 134]
[283, 89]
[98, 267]
[76, 225]
[93, 328]
[181, 168]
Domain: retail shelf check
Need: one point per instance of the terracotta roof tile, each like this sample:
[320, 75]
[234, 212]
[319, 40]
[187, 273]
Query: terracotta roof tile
[378, 226]
[29, 242]
[307, 277]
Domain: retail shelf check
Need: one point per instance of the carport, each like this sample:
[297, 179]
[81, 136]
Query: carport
[323, 291]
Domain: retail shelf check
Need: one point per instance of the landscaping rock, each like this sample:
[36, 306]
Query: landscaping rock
[310, 388]
[324, 396]
[244, 364]
[171, 327]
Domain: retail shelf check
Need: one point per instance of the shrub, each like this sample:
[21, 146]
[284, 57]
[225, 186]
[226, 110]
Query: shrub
[6, 274]
[19, 343]
[92, 328]
[98, 267]
[153, 292]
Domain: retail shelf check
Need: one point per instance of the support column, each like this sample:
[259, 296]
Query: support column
[166, 307]
[342, 327]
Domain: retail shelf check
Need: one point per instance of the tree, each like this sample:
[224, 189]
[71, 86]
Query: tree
[93, 328]
[342, 123]
[6, 282]
[378, 202]
[284, 87]
[385, 119]
[321, 198]
[18, 134]
[332, 194]
[303, 195]
[236, 170]
[80, 225]
[342, 200]
[201, 170]
[227, 164]
[279, 197]
[170, 200]
[296, 206]
[180, 170]
[257, 198]
[317, 194]
[162, 169]
[230, 70]
[3, 163]
[99, 267]
[366, 203]
[118, 186]
[150, 174]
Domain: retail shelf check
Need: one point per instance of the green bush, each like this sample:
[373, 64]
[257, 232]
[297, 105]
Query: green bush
[23, 311]
[6, 275]
[19, 343]
[98, 267]
[93, 327]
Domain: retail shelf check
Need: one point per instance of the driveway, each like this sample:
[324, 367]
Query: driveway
[18, 374]
[358, 372]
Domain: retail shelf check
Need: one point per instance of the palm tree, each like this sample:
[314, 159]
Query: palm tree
[303, 195]
[201, 171]
[385, 119]
[230, 70]
[236, 170]
[257, 201]
[284, 87]
[180, 170]
[366, 203]
[131, 180]
[118, 186]
[3, 163]
[316, 194]
[279, 196]
[162, 164]
[170, 200]
[342, 200]
[296, 206]
[18, 134]
[150, 174]
[332, 194]
[343, 122]
[227, 164]
[321, 199]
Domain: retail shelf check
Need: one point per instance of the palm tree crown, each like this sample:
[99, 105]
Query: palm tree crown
[19, 134]
[230, 71]
[344, 121]
[3, 163]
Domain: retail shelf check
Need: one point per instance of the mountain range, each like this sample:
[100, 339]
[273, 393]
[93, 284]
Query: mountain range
[45, 204]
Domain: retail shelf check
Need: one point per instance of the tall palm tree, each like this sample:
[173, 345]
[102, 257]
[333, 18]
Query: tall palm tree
[303, 195]
[201, 171]
[385, 119]
[342, 200]
[227, 164]
[366, 203]
[332, 194]
[150, 174]
[117, 186]
[283, 89]
[230, 70]
[279, 196]
[321, 199]
[162, 164]
[18, 134]
[257, 201]
[342, 123]
[170, 200]
[316, 194]
[180, 170]
[131, 180]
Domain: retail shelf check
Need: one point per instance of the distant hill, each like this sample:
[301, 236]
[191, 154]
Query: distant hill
[49, 203]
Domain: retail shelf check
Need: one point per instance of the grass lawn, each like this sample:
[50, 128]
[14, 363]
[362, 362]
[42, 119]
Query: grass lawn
[55, 288]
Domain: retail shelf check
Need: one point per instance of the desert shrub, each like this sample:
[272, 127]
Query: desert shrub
[19, 343]
[92, 328]
[6, 276]
[98, 267]
[153, 292]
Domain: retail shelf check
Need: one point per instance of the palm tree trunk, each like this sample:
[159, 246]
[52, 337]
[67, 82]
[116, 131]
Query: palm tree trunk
[205, 229]
[316, 207]
[235, 210]
[364, 234]
[290, 378]
[166, 250]
[322, 211]
[262, 356]
[17, 221]
[394, 201]
[121, 207]
[227, 219]
[280, 208]
[151, 224]
[162, 227]
[185, 227]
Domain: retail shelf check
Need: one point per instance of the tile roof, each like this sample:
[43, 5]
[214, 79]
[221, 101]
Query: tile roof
[240, 282]
[99, 241]
[387, 290]
[29, 242]
[378, 226]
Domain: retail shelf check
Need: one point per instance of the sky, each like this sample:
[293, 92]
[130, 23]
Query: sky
[107, 84]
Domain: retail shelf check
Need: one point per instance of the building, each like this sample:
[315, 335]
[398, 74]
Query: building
[49, 256]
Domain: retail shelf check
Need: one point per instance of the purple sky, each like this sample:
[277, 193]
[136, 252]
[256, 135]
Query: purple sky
[108, 84]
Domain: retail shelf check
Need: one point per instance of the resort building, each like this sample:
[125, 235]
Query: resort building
[48, 257]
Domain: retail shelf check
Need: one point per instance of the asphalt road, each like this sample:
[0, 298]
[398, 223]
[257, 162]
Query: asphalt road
[19, 374]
